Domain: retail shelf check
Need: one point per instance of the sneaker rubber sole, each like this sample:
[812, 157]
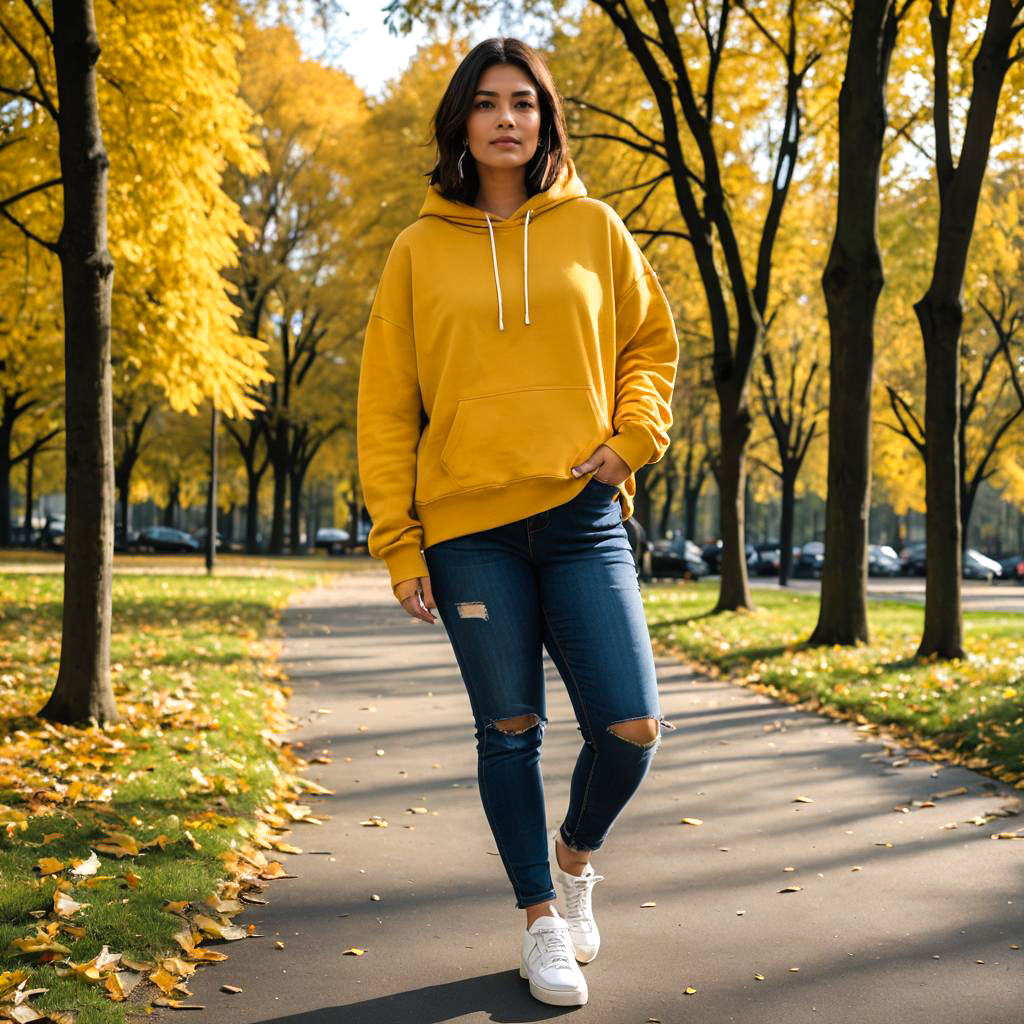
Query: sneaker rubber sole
[552, 997]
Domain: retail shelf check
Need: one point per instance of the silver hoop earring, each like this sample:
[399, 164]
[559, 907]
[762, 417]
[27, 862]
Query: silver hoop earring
[464, 152]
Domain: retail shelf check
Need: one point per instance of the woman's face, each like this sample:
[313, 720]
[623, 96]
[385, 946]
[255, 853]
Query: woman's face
[505, 106]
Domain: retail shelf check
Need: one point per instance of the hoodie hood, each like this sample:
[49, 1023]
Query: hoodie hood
[468, 218]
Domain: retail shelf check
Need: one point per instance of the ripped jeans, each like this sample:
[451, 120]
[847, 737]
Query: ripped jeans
[563, 580]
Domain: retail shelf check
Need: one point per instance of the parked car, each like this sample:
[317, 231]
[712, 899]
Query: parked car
[1013, 568]
[809, 560]
[912, 559]
[769, 554]
[164, 540]
[200, 536]
[332, 539]
[975, 566]
[980, 567]
[52, 535]
[883, 560]
[677, 557]
[712, 555]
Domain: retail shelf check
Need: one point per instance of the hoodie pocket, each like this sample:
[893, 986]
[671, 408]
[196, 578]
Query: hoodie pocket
[518, 435]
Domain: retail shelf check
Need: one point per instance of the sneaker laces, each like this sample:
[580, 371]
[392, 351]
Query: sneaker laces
[578, 896]
[555, 947]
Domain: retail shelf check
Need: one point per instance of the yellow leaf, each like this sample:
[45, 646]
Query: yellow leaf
[691, 821]
[354, 951]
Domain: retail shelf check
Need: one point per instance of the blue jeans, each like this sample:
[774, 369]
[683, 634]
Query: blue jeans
[564, 580]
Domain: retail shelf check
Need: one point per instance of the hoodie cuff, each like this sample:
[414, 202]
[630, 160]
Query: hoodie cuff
[405, 564]
[634, 444]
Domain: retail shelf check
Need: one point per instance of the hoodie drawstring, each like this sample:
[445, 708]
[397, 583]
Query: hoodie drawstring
[526, 279]
[497, 279]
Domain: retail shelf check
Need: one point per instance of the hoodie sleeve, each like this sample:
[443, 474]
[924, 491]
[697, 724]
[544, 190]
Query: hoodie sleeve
[647, 354]
[389, 422]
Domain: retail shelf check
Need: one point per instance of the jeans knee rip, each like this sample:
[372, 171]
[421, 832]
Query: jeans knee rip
[471, 609]
[496, 724]
[642, 718]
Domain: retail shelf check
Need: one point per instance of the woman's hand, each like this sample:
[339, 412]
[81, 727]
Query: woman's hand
[606, 465]
[416, 597]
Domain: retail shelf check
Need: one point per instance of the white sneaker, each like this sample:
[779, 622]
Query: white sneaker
[547, 961]
[575, 893]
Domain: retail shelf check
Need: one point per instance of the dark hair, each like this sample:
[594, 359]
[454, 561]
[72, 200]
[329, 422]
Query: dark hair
[449, 121]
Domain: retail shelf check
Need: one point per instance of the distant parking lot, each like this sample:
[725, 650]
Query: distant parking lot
[996, 597]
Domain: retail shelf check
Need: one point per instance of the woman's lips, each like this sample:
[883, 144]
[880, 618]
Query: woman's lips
[504, 142]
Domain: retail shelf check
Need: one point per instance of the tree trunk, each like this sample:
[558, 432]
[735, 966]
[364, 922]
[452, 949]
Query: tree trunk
[943, 616]
[170, 511]
[852, 282]
[940, 310]
[278, 513]
[83, 691]
[731, 472]
[30, 472]
[789, 475]
[252, 510]
[5, 484]
[296, 478]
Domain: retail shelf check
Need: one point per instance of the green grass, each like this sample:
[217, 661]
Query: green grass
[971, 709]
[185, 638]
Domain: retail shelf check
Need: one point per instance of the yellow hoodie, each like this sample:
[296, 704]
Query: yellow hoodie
[499, 353]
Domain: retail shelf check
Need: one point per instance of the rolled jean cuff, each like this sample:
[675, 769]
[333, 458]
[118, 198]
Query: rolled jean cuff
[523, 902]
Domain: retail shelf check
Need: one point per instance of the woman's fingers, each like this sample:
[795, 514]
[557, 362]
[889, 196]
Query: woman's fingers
[418, 601]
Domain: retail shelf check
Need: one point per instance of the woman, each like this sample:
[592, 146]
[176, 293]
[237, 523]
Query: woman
[517, 370]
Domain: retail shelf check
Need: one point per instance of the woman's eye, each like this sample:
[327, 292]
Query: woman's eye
[483, 102]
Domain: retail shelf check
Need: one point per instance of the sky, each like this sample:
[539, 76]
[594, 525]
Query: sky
[374, 55]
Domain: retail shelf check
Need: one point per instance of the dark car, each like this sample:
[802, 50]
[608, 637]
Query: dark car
[883, 560]
[769, 554]
[164, 540]
[912, 559]
[52, 533]
[200, 537]
[980, 567]
[975, 566]
[1013, 568]
[677, 557]
[809, 560]
[712, 555]
[332, 539]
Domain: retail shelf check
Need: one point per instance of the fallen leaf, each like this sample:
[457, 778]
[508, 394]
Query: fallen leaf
[86, 867]
[354, 951]
[649, 904]
[691, 821]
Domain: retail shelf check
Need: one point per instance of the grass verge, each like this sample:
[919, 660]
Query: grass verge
[970, 710]
[173, 800]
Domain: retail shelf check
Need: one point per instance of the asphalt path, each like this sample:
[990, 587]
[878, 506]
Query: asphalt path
[903, 913]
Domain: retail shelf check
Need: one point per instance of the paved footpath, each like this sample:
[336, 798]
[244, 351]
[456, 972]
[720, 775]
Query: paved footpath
[897, 919]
